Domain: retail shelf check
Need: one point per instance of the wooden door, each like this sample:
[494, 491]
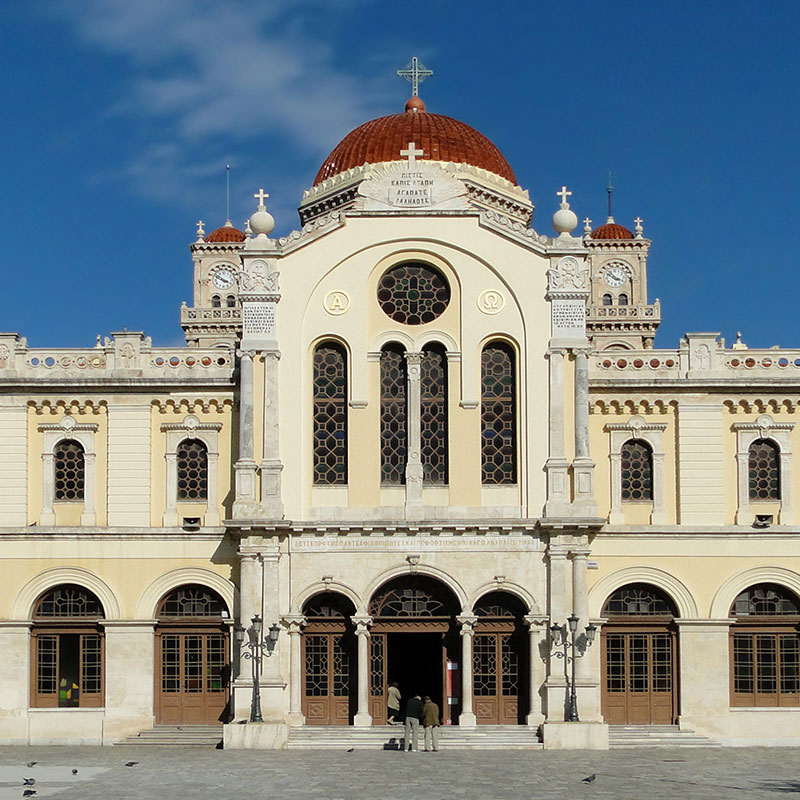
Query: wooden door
[329, 669]
[495, 678]
[192, 676]
[640, 676]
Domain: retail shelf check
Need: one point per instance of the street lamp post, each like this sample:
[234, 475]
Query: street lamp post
[569, 648]
[258, 646]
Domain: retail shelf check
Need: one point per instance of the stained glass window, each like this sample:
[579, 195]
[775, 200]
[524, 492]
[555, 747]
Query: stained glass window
[433, 415]
[393, 416]
[69, 470]
[330, 415]
[498, 423]
[413, 294]
[764, 470]
[637, 472]
[192, 470]
[638, 600]
[192, 601]
[765, 600]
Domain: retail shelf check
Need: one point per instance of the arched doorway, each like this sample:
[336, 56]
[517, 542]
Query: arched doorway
[192, 657]
[414, 641]
[329, 663]
[640, 659]
[500, 654]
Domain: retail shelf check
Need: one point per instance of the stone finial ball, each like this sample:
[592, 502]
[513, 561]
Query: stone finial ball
[565, 220]
[262, 222]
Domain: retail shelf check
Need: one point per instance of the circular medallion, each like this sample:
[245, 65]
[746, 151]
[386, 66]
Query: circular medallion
[413, 293]
[337, 302]
[491, 301]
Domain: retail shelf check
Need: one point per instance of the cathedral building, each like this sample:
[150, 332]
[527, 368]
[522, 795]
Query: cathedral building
[420, 440]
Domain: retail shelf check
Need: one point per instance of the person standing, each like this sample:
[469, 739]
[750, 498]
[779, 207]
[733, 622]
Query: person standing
[413, 719]
[431, 722]
[393, 703]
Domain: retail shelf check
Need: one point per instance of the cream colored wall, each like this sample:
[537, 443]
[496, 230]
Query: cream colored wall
[352, 259]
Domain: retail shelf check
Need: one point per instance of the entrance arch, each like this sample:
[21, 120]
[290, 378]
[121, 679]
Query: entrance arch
[192, 657]
[500, 653]
[414, 641]
[639, 657]
[329, 674]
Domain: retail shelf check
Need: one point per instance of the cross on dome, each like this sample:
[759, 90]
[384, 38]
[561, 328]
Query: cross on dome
[261, 196]
[415, 73]
[564, 194]
[411, 153]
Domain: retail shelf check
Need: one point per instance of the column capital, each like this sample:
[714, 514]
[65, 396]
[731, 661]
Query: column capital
[579, 553]
[246, 354]
[536, 621]
[294, 623]
[581, 351]
[556, 351]
[467, 623]
[413, 356]
[362, 623]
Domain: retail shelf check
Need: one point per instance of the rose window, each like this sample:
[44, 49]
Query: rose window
[413, 294]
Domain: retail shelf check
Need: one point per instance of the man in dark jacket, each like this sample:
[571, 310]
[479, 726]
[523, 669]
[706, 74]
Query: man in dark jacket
[430, 722]
[413, 719]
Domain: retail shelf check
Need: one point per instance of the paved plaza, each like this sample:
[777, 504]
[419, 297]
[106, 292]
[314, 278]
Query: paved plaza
[207, 774]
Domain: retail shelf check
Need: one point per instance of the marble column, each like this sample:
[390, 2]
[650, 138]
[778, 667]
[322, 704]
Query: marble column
[170, 517]
[467, 717]
[250, 604]
[363, 719]
[556, 467]
[271, 465]
[245, 467]
[89, 516]
[537, 633]
[582, 465]
[560, 603]
[580, 607]
[15, 645]
[212, 501]
[414, 472]
[48, 514]
[294, 625]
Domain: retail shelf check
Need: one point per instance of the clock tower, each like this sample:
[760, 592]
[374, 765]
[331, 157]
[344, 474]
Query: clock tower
[618, 314]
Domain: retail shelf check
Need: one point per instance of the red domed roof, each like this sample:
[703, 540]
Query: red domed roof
[227, 233]
[611, 230]
[440, 138]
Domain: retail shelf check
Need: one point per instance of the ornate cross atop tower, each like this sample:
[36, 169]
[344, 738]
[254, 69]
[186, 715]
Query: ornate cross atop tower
[261, 196]
[411, 153]
[415, 72]
[564, 194]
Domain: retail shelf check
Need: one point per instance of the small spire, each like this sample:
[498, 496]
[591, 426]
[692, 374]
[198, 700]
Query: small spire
[587, 225]
[228, 194]
[638, 221]
[201, 231]
[610, 190]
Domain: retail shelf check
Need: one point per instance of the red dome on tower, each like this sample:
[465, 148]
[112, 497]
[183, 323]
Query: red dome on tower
[612, 230]
[440, 138]
[227, 233]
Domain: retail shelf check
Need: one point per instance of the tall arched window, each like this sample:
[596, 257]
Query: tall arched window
[67, 645]
[394, 415]
[637, 472]
[765, 647]
[68, 462]
[230, 301]
[607, 300]
[498, 414]
[330, 414]
[216, 301]
[763, 463]
[622, 300]
[192, 470]
[433, 414]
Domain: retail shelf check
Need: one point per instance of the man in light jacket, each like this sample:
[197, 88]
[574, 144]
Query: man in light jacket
[431, 722]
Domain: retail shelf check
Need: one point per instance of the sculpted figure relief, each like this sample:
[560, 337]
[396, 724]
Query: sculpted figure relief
[568, 273]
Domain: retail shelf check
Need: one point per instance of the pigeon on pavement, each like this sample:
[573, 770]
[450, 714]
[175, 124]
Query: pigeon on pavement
[590, 779]
[29, 781]
[351, 750]
[32, 764]
[74, 772]
[29, 792]
[131, 763]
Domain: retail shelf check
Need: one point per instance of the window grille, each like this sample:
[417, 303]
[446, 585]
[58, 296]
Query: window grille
[393, 416]
[637, 472]
[192, 601]
[330, 415]
[192, 470]
[68, 600]
[413, 294]
[433, 415]
[411, 598]
[764, 470]
[498, 415]
[68, 458]
[638, 600]
[230, 301]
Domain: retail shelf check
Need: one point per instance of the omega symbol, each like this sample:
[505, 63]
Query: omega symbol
[491, 301]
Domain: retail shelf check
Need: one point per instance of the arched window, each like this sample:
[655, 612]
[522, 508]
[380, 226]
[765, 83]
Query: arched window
[763, 461]
[394, 415]
[607, 300]
[637, 472]
[622, 300]
[68, 461]
[433, 414]
[639, 600]
[230, 301]
[67, 646]
[330, 414]
[765, 647]
[216, 301]
[192, 470]
[498, 415]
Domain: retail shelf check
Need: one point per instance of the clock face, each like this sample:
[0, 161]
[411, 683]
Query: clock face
[615, 276]
[223, 278]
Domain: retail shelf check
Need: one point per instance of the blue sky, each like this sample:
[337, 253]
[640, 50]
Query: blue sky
[119, 117]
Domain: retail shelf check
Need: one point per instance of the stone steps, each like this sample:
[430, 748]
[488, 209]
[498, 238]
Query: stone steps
[177, 735]
[390, 737]
[629, 736]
